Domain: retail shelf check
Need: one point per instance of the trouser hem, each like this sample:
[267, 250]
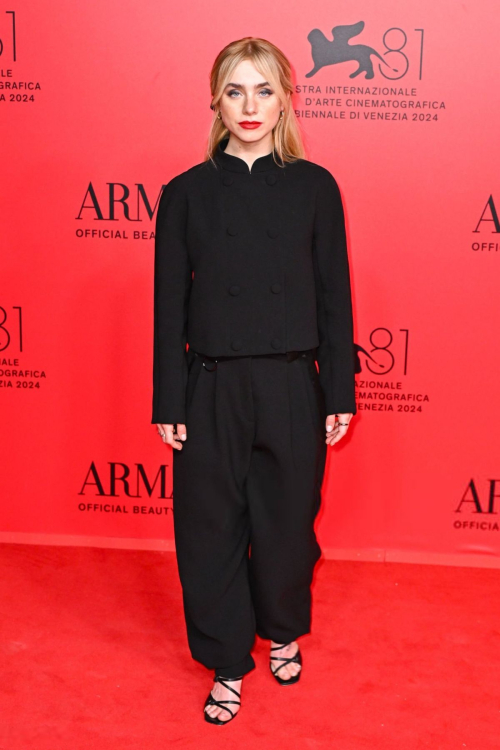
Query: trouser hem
[277, 637]
[237, 670]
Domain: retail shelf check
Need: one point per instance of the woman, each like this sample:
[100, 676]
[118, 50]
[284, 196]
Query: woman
[251, 270]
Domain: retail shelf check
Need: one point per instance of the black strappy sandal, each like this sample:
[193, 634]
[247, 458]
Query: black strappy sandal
[210, 701]
[297, 658]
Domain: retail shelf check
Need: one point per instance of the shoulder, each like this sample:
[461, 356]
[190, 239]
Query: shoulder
[327, 195]
[321, 174]
[315, 174]
[194, 173]
[183, 181]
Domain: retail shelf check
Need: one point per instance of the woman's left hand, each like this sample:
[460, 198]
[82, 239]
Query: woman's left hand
[335, 431]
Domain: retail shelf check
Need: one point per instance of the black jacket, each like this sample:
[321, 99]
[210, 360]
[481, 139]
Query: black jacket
[251, 262]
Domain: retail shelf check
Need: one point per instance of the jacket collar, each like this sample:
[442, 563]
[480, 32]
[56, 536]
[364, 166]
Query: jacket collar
[235, 164]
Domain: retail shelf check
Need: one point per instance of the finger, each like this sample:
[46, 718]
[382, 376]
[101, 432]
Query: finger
[167, 434]
[339, 434]
[332, 433]
[339, 428]
[330, 423]
[162, 430]
[179, 436]
[181, 431]
[331, 437]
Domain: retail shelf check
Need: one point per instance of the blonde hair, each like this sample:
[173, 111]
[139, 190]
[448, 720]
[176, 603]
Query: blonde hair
[271, 63]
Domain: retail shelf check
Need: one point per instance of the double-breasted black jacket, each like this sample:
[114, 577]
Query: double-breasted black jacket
[251, 262]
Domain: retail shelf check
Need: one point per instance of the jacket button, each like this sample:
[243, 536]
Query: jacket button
[276, 288]
[276, 343]
[234, 290]
[271, 179]
[232, 230]
[272, 232]
[227, 180]
[236, 345]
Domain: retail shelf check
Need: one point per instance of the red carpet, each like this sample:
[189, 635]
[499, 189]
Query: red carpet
[94, 655]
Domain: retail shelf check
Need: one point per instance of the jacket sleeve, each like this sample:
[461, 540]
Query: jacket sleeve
[172, 285]
[335, 353]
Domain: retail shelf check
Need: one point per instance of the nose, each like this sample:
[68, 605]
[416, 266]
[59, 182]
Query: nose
[250, 106]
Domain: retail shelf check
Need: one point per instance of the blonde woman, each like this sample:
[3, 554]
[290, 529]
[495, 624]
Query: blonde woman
[251, 271]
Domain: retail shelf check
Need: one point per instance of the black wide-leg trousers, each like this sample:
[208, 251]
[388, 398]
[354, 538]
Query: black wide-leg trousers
[246, 490]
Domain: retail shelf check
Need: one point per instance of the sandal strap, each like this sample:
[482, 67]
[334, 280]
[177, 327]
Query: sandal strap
[277, 648]
[222, 682]
[286, 660]
[275, 671]
[213, 702]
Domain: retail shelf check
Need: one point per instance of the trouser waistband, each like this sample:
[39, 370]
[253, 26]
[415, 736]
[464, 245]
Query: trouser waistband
[287, 356]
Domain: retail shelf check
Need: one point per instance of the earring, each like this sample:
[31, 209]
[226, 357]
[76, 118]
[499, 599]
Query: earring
[219, 116]
[281, 115]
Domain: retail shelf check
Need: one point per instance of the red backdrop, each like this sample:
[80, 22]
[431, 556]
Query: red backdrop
[101, 103]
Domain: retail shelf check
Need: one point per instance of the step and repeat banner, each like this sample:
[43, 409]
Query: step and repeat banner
[101, 104]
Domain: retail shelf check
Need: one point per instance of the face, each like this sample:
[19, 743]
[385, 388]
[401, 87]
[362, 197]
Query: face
[249, 98]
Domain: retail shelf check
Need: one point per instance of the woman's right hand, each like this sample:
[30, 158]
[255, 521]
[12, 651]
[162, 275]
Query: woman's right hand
[171, 436]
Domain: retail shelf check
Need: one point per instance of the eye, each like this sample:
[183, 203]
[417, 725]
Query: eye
[267, 92]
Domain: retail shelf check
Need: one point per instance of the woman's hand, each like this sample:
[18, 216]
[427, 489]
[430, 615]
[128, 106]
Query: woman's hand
[171, 436]
[336, 431]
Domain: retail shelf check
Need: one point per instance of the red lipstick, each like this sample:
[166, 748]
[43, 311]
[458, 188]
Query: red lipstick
[249, 125]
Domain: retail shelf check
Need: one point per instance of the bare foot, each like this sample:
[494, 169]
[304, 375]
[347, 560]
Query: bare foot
[220, 693]
[288, 651]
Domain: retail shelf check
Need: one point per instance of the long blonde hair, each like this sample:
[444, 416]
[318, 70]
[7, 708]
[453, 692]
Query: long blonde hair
[272, 64]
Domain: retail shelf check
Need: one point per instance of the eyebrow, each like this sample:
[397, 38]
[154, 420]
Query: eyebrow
[257, 85]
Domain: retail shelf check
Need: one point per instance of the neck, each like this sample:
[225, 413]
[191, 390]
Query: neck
[237, 147]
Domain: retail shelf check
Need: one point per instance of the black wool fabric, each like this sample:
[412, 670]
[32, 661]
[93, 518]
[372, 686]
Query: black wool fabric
[248, 480]
[251, 261]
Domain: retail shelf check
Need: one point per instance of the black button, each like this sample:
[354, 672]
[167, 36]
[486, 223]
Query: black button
[232, 230]
[272, 232]
[276, 343]
[276, 288]
[236, 345]
[234, 290]
[271, 179]
[227, 179]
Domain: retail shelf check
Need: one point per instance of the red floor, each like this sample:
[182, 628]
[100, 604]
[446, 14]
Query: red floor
[94, 655]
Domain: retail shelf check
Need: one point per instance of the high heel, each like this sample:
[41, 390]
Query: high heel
[211, 701]
[297, 658]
